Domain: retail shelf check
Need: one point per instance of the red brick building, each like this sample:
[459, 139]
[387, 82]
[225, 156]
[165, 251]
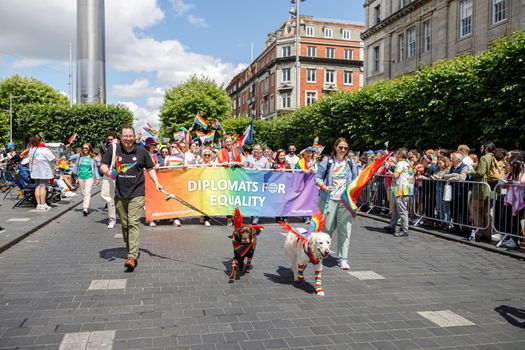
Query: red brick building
[331, 59]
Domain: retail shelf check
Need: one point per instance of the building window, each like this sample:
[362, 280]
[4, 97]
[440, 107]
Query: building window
[348, 78]
[311, 97]
[349, 54]
[262, 108]
[401, 46]
[287, 51]
[376, 59]
[499, 10]
[310, 31]
[346, 34]
[311, 51]
[427, 35]
[329, 76]
[377, 14]
[286, 96]
[310, 75]
[465, 9]
[328, 32]
[411, 42]
[330, 52]
[271, 104]
[286, 74]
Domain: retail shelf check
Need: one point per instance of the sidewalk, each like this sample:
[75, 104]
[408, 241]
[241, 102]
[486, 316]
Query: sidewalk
[22, 221]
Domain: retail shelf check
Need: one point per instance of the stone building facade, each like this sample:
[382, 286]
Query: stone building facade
[403, 35]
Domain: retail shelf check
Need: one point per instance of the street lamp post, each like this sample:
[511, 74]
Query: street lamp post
[11, 116]
[295, 12]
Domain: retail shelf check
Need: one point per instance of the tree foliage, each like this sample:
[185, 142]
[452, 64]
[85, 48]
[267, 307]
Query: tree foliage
[196, 95]
[470, 100]
[59, 122]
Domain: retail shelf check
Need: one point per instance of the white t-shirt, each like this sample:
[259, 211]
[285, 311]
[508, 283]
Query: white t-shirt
[189, 158]
[292, 160]
[40, 165]
[468, 161]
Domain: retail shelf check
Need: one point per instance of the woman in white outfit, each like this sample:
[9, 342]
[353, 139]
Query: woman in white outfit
[42, 167]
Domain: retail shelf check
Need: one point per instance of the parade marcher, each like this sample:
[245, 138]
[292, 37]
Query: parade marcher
[402, 189]
[291, 157]
[257, 161]
[129, 161]
[41, 165]
[86, 169]
[150, 144]
[206, 159]
[107, 190]
[308, 165]
[333, 175]
[229, 156]
[280, 164]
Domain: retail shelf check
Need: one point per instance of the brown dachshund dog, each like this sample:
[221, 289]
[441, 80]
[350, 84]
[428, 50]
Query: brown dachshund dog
[244, 240]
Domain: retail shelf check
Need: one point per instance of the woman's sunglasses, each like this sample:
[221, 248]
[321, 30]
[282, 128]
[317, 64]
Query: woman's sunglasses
[342, 148]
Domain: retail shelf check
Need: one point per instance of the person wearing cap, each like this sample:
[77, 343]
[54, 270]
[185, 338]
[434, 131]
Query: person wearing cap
[86, 169]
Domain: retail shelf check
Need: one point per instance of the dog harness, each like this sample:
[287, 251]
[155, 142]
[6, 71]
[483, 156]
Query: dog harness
[308, 251]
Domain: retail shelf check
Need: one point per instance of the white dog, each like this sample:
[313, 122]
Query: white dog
[312, 249]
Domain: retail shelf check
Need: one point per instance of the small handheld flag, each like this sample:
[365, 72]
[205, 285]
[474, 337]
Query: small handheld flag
[201, 122]
[72, 138]
[216, 125]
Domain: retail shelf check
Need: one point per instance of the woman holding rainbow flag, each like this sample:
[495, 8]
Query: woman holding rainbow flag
[333, 176]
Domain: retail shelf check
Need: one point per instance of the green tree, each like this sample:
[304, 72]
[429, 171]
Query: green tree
[196, 95]
[58, 122]
[26, 91]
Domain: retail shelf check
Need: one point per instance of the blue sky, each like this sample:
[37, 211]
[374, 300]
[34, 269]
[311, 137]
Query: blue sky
[151, 44]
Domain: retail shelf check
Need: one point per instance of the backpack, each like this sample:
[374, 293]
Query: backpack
[496, 171]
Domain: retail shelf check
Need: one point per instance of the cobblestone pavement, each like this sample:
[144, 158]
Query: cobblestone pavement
[64, 287]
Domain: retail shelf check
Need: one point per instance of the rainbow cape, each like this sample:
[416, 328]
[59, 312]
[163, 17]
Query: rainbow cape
[351, 193]
[201, 122]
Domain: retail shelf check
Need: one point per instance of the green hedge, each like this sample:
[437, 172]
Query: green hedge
[469, 100]
[58, 122]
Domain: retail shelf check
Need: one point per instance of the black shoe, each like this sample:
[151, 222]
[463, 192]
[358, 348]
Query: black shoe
[389, 229]
[400, 234]
[85, 212]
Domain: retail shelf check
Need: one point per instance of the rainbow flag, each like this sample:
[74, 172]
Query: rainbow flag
[175, 159]
[209, 137]
[151, 130]
[201, 122]
[72, 138]
[351, 193]
[216, 125]
[179, 135]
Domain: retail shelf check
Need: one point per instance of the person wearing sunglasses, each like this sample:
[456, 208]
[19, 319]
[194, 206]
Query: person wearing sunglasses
[333, 175]
[206, 159]
[86, 170]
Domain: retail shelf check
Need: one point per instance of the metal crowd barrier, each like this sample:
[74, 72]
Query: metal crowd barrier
[378, 194]
[459, 203]
[508, 205]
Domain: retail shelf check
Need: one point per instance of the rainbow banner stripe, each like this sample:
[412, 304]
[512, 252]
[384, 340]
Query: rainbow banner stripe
[201, 122]
[351, 193]
[218, 191]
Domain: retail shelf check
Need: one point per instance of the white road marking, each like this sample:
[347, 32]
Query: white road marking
[101, 340]
[107, 284]
[18, 220]
[446, 318]
[118, 235]
[366, 275]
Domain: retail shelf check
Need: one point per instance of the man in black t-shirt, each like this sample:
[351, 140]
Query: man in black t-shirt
[128, 165]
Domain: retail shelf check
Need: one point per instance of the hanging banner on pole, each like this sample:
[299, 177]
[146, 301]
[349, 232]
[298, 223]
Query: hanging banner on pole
[218, 191]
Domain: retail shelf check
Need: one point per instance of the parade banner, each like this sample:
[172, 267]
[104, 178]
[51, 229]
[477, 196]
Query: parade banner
[218, 191]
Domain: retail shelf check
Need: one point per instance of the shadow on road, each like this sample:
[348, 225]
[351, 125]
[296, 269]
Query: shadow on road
[112, 254]
[515, 317]
[376, 229]
[285, 276]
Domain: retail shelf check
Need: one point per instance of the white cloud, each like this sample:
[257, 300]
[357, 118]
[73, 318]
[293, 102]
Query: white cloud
[180, 7]
[37, 38]
[142, 115]
[197, 22]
